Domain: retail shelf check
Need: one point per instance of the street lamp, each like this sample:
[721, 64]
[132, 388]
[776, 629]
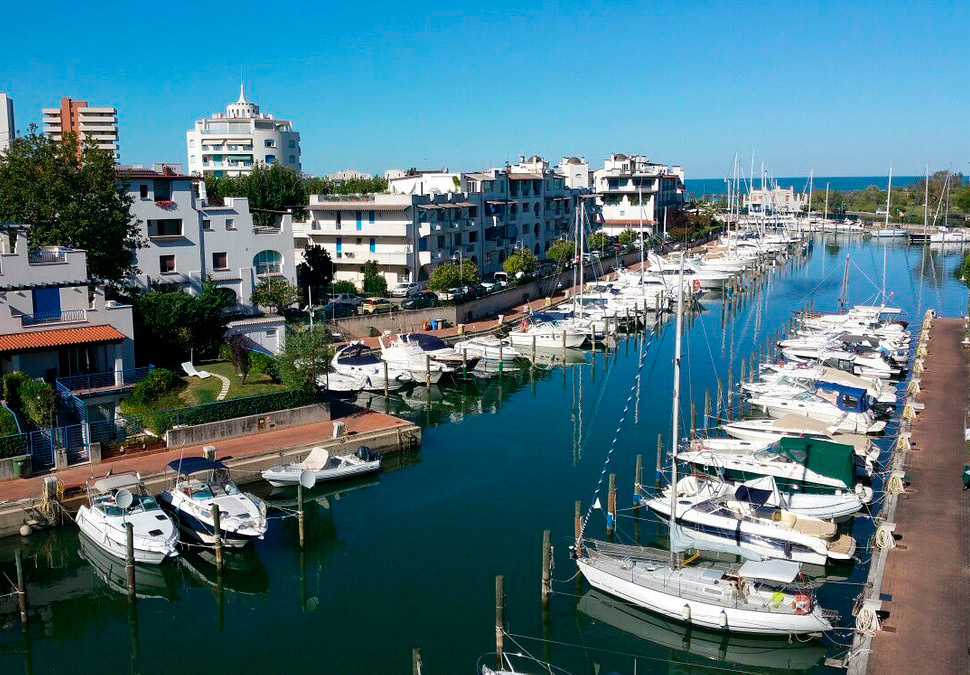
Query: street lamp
[461, 266]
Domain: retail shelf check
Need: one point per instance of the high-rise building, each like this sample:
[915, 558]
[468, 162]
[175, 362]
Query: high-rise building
[95, 124]
[7, 129]
[232, 143]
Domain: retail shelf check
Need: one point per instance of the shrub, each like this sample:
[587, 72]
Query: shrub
[11, 388]
[225, 352]
[8, 425]
[13, 446]
[344, 287]
[37, 399]
[157, 384]
[262, 364]
[376, 285]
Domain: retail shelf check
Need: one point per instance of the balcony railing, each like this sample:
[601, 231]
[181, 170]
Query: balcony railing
[101, 382]
[46, 257]
[266, 229]
[44, 318]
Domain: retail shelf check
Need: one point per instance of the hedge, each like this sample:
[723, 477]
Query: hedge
[13, 446]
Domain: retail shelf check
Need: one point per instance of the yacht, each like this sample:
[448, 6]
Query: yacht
[844, 408]
[546, 334]
[416, 356]
[356, 360]
[115, 501]
[201, 484]
[488, 348]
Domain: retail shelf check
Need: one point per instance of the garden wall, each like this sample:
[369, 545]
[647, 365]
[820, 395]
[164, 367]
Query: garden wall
[247, 426]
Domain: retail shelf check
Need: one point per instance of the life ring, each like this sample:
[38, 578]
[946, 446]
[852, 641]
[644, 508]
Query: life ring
[697, 285]
[802, 604]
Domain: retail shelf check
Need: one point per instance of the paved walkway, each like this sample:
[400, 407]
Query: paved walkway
[225, 385]
[246, 446]
[928, 577]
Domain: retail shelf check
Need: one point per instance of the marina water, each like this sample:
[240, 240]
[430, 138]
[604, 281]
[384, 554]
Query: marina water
[409, 558]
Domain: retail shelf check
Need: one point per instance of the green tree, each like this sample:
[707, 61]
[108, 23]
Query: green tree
[561, 252]
[305, 357]
[356, 186]
[522, 260]
[374, 281]
[317, 269]
[627, 237]
[451, 275]
[270, 190]
[598, 241]
[275, 294]
[239, 354]
[69, 199]
[344, 286]
[170, 324]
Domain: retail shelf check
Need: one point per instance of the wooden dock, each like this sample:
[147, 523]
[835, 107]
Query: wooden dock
[926, 582]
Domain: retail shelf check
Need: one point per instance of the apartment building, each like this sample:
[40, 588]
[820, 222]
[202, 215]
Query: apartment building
[232, 143]
[431, 217]
[633, 190]
[775, 199]
[99, 125]
[7, 129]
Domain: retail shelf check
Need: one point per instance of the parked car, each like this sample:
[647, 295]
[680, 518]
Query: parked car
[546, 268]
[498, 280]
[420, 301]
[335, 310]
[376, 306]
[405, 290]
[477, 290]
[349, 298]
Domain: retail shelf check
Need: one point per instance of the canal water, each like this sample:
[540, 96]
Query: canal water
[409, 558]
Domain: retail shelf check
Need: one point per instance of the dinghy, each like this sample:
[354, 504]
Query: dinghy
[323, 467]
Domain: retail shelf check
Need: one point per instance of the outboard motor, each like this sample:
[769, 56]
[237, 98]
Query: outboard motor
[364, 453]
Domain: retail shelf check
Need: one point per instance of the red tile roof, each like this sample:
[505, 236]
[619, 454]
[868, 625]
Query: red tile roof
[46, 339]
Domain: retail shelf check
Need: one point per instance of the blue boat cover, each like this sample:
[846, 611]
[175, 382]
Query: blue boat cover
[752, 495]
[850, 399]
[188, 465]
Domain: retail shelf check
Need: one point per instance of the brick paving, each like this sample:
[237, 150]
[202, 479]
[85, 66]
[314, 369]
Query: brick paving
[929, 580]
[246, 446]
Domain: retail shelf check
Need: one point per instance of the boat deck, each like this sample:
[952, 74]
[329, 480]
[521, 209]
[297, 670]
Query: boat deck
[927, 575]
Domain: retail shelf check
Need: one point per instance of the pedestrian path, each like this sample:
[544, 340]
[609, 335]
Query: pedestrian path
[225, 386]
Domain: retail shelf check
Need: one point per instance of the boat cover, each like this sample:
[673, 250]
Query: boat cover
[850, 399]
[835, 460]
[116, 482]
[782, 571]
[187, 465]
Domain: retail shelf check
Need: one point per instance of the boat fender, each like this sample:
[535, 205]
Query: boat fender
[697, 285]
[685, 613]
[723, 619]
[802, 604]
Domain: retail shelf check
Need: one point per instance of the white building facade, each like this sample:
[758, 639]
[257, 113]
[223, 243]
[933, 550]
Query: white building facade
[232, 143]
[633, 190]
[7, 129]
[98, 125]
[776, 200]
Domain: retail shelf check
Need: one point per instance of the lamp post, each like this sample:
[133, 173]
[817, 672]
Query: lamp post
[461, 266]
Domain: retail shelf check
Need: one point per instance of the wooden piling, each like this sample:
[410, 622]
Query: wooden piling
[427, 366]
[387, 381]
[21, 588]
[693, 418]
[660, 447]
[217, 535]
[728, 395]
[546, 567]
[611, 505]
[707, 408]
[464, 362]
[416, 664]
[299, 511]
[501, 356]
[718, 404]
[499, 619]
[130, 560]
[578, 523]
[637, 480]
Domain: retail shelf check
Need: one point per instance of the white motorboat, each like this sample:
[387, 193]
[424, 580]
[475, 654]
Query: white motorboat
[546, 335]
[323, 467]
[356, 359]
[760, 433]
[424, 357]
[115, 501]
[489, 348]
[845, 409]
[888, 232]
[876, 388]
[201, 484]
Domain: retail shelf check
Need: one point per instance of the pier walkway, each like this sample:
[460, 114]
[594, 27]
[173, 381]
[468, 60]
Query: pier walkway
[927, 576]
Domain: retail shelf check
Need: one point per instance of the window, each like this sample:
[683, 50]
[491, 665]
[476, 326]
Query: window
[165, 227]
[340, 246]
[207, 224]
[441, 241]
[271, 159]
[269, 143]
[472, 237]
[292, 159]
[373, 245]
[472, 211]
[370, 217]
[269, 262]
[220, 261]
[358, 215]
[191, 142]
[230, 224]
[166, 264]
[423, 244]
[163, 191]
[143, 191]
[291, 144]
[359, 241]
[338, 219]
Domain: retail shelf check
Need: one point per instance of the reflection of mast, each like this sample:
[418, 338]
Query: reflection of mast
[844, 294]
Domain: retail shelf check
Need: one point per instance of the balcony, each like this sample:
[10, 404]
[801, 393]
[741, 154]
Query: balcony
[48, 318]
[97, 384]
[266, 229]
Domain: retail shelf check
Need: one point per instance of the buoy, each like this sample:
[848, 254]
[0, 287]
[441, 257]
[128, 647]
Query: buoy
[685, 613]
[723, 619]
[26, 530]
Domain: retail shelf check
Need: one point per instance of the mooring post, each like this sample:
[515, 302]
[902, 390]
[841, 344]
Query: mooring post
[533, 349]
[387, 382]
[611, 505]
[707, 408]
[299, 511]
[637, 481]
[217, 536]
[130, 560]
[501, 356]
[427, 366]
[728, 395]
[416, 661]
[499, 619]
[660, 447]
[21, 588]
[579, 527]
[693, 418]
[546, 567]
[464, 363]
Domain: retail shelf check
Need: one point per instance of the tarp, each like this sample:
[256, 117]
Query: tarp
[117, 481]
[850, 399]
[782, 571]
[188, 465]
[835, 460]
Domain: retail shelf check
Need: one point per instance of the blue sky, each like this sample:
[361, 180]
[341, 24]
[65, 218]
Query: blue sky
[844, 87]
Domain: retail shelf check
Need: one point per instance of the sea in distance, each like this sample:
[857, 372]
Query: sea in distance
[715, 186]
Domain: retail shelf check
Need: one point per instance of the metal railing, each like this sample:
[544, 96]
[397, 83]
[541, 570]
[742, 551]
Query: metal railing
[46, 257]
[117, 379]
[64, 316]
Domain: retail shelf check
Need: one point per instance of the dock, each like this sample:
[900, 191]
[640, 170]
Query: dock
[245, 456]
[924, 585]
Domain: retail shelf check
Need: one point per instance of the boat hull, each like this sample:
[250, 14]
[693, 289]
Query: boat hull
[114, 542]
[284, 477]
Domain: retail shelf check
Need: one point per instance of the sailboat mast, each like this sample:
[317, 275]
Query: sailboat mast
[675, 422]
[889, 191]
[844, 294]
[825, 216]
[926, 203]
[811, 181]
[640, 194]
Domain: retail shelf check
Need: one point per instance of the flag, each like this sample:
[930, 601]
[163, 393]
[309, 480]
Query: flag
[597, 505]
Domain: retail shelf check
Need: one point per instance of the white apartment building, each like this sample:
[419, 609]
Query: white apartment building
[7, 129]
[189, 239]
[232, 143]
[430, 217]
[633, 190]
[96, 124]
[775, 200]
[576, 172]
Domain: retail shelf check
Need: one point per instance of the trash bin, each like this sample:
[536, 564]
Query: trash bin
[19, 464]
[434, 324]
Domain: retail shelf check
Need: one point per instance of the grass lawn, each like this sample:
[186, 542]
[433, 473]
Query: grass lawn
[254, 384]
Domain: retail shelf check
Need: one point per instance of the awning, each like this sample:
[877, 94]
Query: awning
[783, 571]
[64, 337]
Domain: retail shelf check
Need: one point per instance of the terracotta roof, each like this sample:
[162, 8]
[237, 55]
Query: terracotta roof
[46, 339]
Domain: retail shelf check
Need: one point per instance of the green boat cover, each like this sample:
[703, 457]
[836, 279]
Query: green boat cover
[835, 460]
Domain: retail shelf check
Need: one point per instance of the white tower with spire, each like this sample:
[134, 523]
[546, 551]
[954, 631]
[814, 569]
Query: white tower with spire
[232, 143]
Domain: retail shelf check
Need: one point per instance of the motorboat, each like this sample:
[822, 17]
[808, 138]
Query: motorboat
[489, 348]
[888, 232]
[201, 484]
[876, 388]
[844, 408]
[356, 359]
[114, 502]
[323, 466]
[796, 464]
[762, 432]
[407, 352]
[546, 334]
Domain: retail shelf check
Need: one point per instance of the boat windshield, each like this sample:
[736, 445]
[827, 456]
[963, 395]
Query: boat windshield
[804, 396]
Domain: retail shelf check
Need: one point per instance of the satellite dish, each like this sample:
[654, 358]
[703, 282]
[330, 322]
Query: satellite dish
[308, 479]
[123, 498]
